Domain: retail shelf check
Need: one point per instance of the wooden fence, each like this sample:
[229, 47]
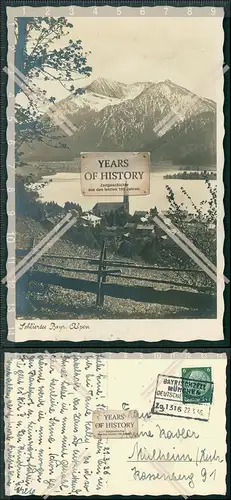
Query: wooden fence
[101, 288]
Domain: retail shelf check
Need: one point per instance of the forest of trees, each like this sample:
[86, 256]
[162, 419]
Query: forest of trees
[192, 175]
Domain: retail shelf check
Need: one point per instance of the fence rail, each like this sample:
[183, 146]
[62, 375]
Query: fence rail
[139, 294]
[124, 264]
[183, 298]
[116, 273]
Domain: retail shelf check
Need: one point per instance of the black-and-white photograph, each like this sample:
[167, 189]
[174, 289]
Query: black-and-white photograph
[110, 85]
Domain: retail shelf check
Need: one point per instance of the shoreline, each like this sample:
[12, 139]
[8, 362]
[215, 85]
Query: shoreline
[41, 169]
[192, 176]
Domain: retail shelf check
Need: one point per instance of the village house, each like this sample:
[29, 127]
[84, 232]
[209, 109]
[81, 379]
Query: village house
[189, 219]
[49, 222]
[110, 232]
[130, 226]
[139, 214]
[103, 208]
[144, 220]
[90, 219]
[107, 207]
[145, 230]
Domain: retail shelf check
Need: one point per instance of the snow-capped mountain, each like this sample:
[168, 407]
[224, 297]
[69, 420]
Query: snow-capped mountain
[90, 101]
[113, 116]
[117, 90]
[101, 93]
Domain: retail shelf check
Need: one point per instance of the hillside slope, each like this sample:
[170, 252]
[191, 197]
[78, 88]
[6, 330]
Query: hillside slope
[53, 302]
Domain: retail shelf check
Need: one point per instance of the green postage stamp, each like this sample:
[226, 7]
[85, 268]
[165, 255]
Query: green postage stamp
[197, 385]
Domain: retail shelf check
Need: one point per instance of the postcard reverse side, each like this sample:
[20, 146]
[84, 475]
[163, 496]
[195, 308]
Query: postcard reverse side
[75, 423]
[115, 167]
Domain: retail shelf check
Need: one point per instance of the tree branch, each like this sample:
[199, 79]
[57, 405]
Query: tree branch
[56, 78]
[41, 38]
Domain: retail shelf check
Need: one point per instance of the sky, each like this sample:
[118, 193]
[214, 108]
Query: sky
[186, 50]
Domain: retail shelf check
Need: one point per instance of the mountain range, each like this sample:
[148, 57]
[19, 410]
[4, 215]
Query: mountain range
[163, 118]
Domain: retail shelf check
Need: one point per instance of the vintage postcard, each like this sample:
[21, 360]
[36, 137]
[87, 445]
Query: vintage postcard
[75, 423]
[115, 173]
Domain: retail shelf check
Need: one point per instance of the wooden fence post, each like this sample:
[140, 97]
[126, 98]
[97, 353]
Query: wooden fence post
[22, 285]
[104, 275]
[99, 299]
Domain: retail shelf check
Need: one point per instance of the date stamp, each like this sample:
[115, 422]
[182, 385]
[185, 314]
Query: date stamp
[173, 399]
[115, 424]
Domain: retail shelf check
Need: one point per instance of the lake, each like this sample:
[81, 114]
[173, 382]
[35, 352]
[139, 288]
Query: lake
[66, 187]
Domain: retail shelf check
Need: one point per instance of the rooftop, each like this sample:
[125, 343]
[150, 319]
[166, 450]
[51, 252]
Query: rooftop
[140, 227]
[130, 225]
[107, 206]
[141, 213]
[111, 228]
[90, 217]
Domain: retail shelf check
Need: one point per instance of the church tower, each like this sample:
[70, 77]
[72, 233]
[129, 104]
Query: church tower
[126, 200]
